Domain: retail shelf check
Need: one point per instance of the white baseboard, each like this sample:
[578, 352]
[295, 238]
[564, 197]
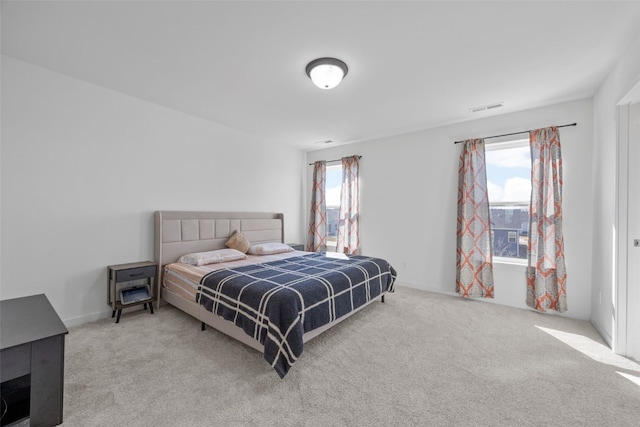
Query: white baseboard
[602, 331]
[81, 320]
[427, 288]
[99, 315]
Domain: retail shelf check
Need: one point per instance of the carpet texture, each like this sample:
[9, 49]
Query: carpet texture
[420, 359]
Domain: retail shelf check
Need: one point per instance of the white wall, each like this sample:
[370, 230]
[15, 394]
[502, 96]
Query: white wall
[616, 85]
[409, 192]
[83, 169]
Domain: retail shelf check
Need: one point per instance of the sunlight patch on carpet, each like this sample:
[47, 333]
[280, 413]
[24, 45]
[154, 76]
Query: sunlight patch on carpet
[596, 351]
[632, 378]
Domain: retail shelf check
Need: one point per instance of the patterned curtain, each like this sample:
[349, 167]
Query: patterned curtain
[474, 262]
[349, 219]
[546, 275]
[317, 235]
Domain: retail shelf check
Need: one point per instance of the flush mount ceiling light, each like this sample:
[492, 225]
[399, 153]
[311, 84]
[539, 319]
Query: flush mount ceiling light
[326, 73]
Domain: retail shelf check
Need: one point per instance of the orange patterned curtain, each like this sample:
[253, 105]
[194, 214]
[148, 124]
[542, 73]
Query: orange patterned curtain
[546, 275]
[317, 235]
[349, 219]
[474, 262]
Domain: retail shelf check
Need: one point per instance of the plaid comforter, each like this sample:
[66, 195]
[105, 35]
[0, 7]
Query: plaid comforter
[277, 302]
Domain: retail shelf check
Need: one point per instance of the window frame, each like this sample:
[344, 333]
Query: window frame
[332, 243]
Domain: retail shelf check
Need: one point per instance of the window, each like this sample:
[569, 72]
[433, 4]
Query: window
[509, 187]
[333, 186]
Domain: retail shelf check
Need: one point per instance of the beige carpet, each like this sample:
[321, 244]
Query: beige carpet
[419, 359]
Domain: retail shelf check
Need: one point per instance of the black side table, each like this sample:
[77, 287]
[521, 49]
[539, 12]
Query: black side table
[31, 361]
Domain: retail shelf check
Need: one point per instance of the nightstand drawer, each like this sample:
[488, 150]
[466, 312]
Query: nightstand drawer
[135, 273]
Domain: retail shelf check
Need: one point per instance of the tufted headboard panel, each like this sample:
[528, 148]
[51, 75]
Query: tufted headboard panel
[181, 232]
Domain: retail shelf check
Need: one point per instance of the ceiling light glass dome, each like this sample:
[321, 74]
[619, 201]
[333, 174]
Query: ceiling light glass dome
[326, 73]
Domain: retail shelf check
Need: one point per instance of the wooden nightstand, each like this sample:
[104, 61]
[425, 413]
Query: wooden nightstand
[297, 246]
[122, 273]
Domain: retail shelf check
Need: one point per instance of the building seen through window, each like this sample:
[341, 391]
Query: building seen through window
[508, 167]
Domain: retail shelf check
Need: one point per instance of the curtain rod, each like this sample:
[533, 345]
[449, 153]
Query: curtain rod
[516, 133]
[333, 161]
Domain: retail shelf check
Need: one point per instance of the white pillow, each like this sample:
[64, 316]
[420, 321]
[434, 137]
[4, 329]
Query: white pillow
[212, 257]
[269, 249]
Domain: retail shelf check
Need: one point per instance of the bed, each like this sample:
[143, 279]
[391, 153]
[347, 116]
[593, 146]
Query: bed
[273, 303]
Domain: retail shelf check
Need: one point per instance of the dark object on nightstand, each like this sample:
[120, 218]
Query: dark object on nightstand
[31, 361]
[122, 273]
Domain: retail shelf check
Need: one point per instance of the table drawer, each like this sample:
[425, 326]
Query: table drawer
[135, 273]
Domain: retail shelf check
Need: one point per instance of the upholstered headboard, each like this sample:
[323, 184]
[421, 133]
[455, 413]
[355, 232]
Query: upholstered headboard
[182, 232]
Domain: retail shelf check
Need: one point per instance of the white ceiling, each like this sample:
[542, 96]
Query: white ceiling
[412, 65]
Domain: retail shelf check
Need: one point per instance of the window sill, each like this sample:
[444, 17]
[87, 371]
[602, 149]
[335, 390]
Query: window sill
[510, 261]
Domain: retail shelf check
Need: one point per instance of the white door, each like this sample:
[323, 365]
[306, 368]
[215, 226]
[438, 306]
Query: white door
[626, 298]
[633, 244]
[626, 330]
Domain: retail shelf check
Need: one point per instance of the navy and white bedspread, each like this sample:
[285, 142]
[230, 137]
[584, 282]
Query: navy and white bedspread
[277, 302]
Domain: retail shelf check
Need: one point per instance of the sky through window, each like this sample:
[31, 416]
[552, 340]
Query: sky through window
[508, 174]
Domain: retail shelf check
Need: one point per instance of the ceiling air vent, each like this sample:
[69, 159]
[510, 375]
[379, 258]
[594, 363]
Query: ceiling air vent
[486, 107]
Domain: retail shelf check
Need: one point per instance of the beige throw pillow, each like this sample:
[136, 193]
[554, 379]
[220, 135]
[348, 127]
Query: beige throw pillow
[239, 242]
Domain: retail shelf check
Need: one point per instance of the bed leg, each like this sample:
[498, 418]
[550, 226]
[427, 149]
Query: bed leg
[383, 299]
[202, 326]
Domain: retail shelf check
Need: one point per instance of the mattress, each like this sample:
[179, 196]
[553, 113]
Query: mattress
[184, 279]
